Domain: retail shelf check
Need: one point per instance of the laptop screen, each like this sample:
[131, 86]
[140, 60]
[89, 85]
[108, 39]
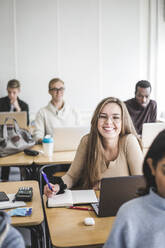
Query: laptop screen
[21, 118]
[150, 131]
[68, 138]
[117, 190]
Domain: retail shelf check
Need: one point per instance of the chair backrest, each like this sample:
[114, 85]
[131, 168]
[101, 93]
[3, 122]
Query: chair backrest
[50, 170]
[149, 132]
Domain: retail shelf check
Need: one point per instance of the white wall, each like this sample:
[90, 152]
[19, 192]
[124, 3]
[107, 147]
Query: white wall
[98, 47]
[120, 47]
[160, 76]
[7, 69]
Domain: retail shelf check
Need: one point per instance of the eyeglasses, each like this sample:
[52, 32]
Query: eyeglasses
[114, 118]
[57, 89]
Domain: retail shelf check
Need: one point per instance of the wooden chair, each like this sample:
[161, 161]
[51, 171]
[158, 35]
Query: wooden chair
[51, 170]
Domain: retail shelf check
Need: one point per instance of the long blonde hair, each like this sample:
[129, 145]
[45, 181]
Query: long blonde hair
[95, 151]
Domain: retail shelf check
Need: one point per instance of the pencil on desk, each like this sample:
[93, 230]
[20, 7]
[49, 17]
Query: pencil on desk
[80, 208]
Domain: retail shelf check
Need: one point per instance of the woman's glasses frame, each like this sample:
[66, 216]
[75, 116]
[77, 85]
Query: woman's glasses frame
[116, 118]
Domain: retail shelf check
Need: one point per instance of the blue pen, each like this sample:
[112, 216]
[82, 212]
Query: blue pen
[47, 181]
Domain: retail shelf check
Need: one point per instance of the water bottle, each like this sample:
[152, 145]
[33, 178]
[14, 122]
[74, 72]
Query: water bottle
[48, 145]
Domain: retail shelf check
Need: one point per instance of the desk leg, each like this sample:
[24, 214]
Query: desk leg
[37, 236]
[22, 173]
[48, 242]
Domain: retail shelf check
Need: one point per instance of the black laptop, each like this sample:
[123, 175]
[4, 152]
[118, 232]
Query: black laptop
[115, 191]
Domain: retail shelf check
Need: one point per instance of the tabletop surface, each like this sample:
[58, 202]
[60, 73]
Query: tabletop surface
[19, 159]
[67, 228]
[37, 212]
[63, 157]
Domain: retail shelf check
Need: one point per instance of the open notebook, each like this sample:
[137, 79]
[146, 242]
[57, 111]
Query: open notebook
[71, 197]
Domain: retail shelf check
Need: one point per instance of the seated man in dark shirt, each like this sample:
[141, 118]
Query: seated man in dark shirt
[141, 108]
[12, 103]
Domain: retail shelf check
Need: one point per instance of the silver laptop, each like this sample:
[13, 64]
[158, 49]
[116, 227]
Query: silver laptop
[21, 118]
[68, 138]
[150, 131]
[115, 191]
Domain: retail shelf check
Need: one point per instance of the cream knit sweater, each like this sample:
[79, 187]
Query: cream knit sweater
[50, 117]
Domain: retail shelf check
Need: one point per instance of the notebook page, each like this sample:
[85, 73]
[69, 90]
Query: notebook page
[10, 204]
[61, 200]
[84, 196]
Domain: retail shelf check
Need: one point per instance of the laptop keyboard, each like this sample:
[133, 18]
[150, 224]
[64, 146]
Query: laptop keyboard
[96, 207]
[97, 204]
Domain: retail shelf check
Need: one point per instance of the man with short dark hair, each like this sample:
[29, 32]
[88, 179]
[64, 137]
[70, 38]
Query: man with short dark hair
[12, 103]
[141, 108]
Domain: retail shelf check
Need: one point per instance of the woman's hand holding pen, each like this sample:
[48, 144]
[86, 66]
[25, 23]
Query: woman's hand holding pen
[48, 192]
[50, 188]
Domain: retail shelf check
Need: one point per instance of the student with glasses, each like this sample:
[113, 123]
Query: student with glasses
[112, 148]
[58, 113]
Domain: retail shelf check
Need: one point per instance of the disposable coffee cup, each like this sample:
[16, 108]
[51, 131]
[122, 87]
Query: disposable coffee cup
[48, 145]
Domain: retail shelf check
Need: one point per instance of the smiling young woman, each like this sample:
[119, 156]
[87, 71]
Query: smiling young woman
[109, 150]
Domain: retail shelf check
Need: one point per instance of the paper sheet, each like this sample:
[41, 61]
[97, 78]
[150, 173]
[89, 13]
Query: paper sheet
[10, 204]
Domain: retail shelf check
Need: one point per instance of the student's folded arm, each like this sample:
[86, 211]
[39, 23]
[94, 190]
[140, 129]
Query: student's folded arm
[74, 172]
[134, 155]
[25, 107]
